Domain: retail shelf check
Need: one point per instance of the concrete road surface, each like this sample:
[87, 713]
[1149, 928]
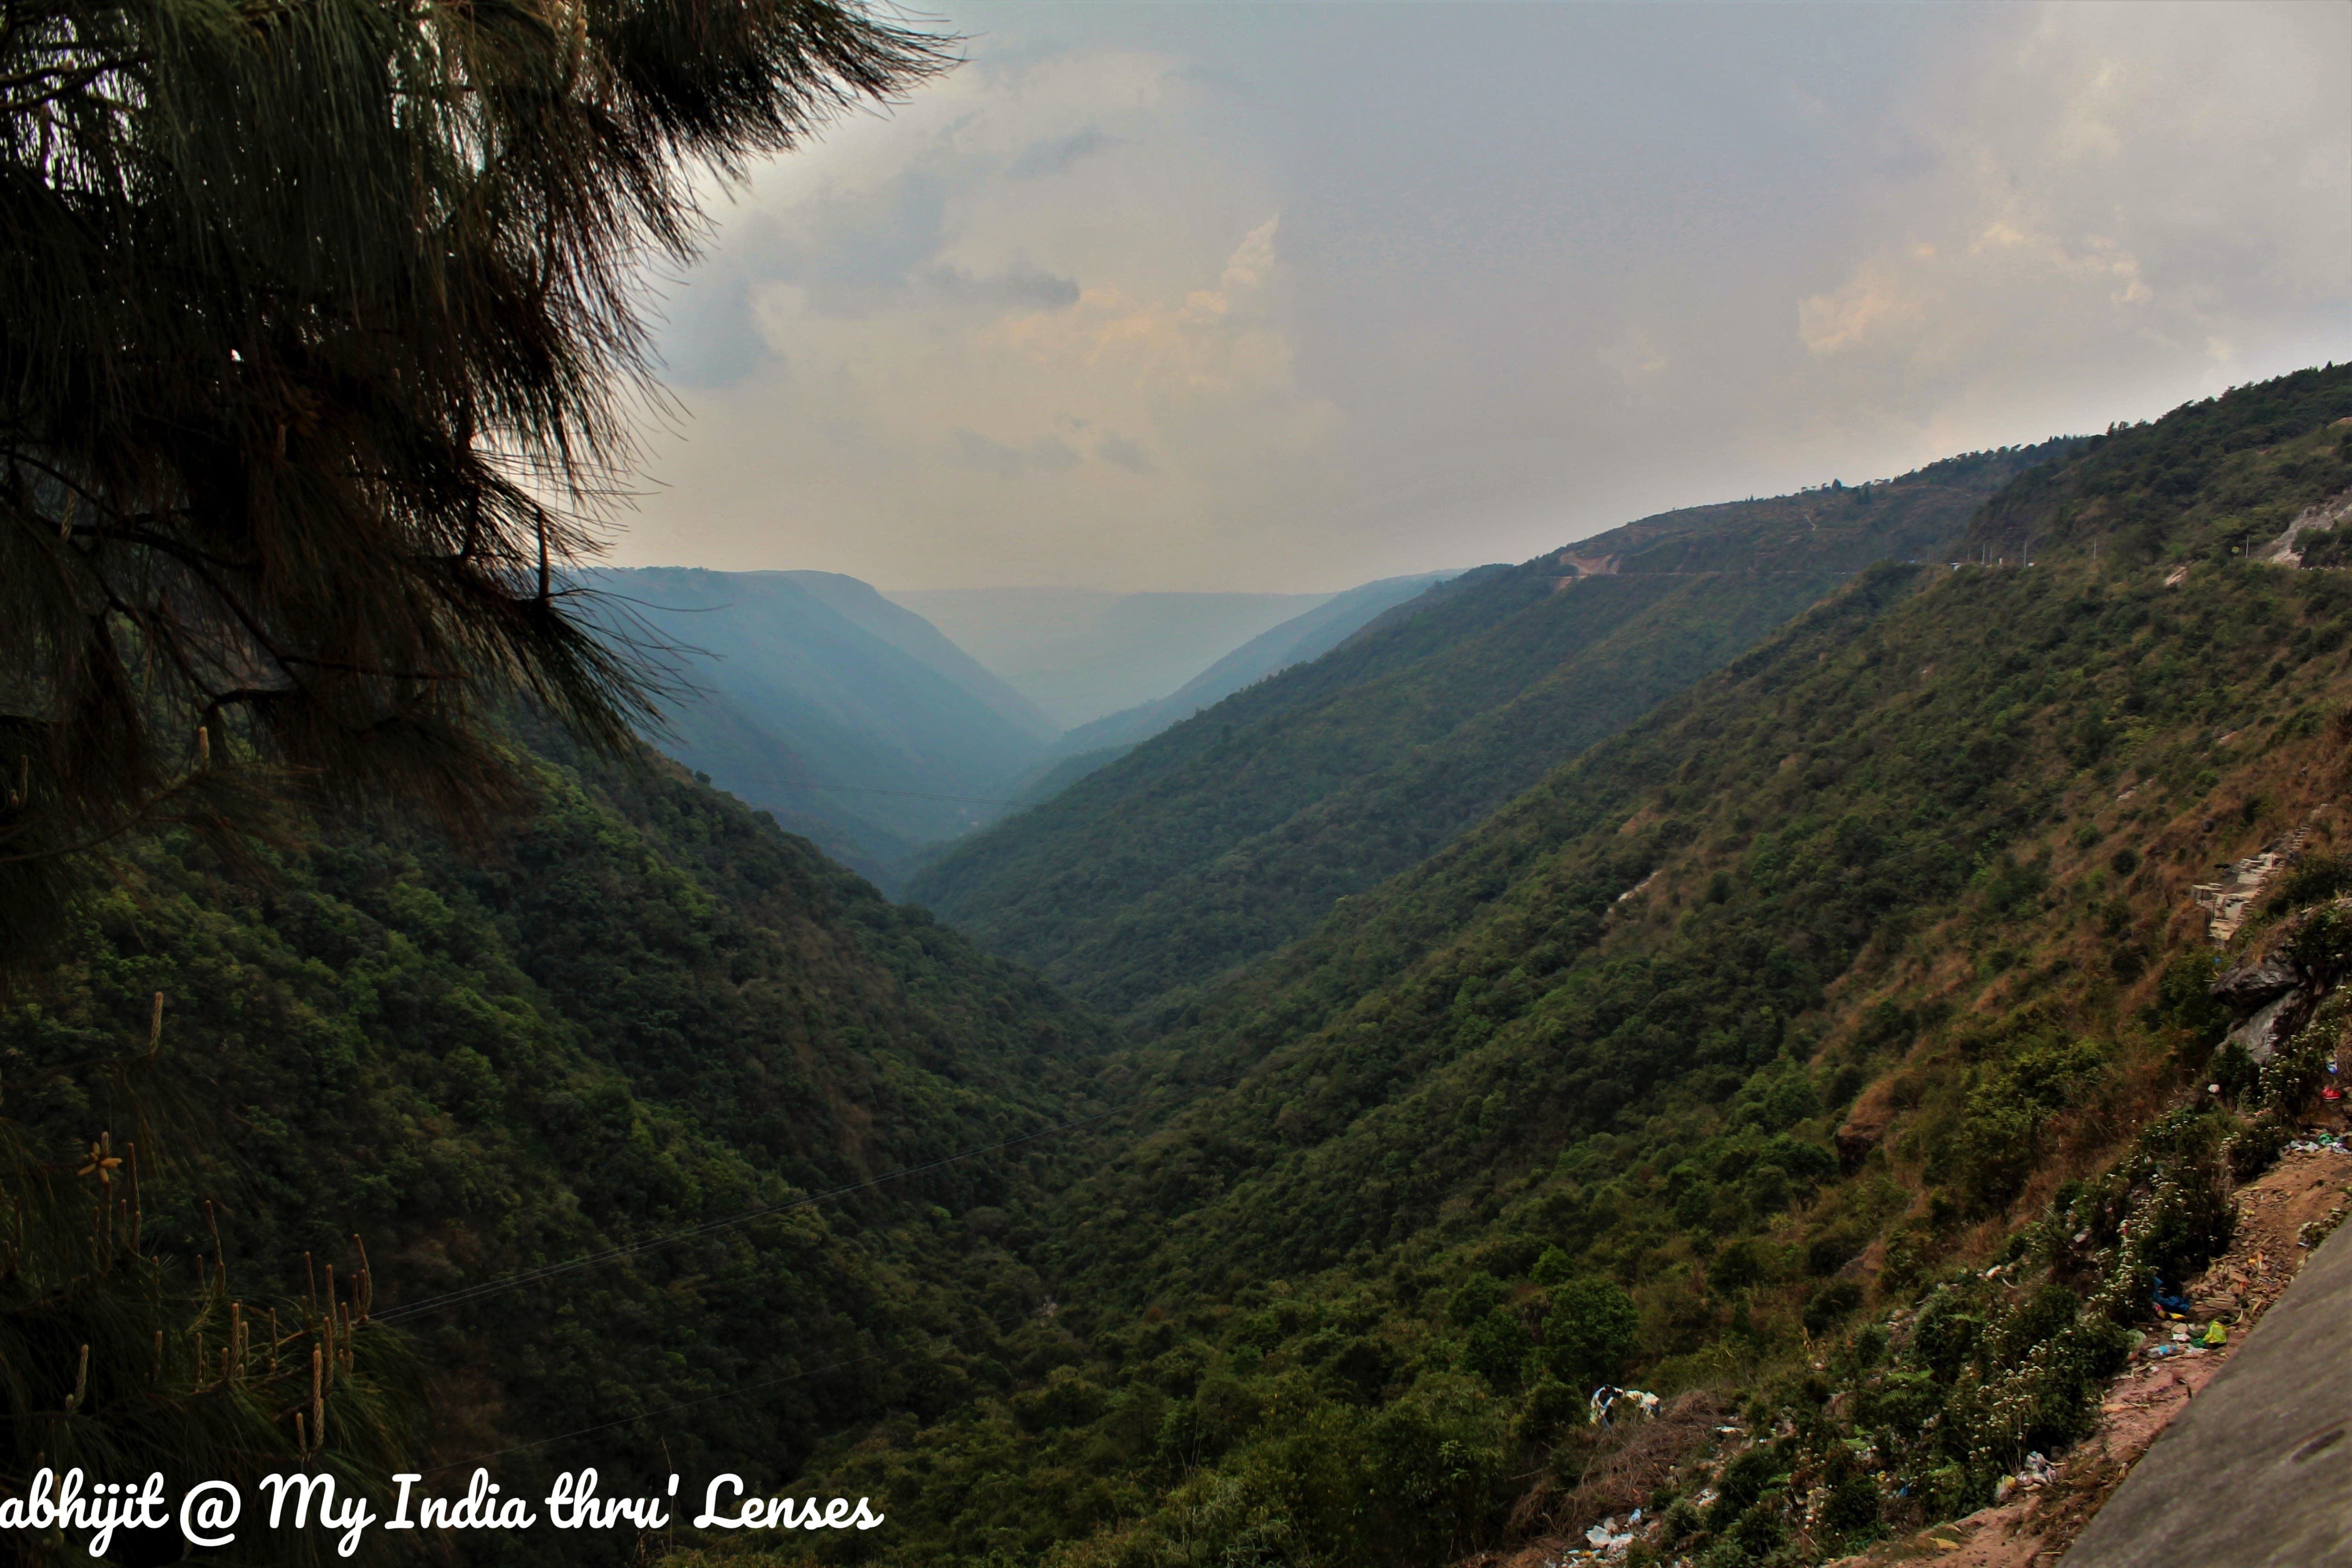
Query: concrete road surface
[2257, 1472]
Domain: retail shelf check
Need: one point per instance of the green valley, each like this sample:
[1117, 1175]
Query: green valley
[1868, 961]
[1220, 839]
[1784, 985]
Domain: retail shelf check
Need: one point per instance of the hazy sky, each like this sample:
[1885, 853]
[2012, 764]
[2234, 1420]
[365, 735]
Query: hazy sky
[1295, 296]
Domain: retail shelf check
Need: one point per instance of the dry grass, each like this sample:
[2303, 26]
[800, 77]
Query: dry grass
[1622, 1472]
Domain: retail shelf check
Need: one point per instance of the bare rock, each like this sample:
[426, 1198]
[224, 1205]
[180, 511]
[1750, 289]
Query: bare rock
[2249, 985]
[2273, 1024]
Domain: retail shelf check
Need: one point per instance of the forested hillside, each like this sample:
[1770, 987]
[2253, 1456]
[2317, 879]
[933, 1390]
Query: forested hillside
[1234, 832]
[640, 1009]
[1725, 1059]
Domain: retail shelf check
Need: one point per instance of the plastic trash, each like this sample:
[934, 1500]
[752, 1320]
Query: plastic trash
[2216, 1336]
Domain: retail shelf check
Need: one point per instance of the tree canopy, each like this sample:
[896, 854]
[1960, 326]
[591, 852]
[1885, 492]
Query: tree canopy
[326, 336]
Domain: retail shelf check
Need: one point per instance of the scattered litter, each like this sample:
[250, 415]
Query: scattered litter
[1607, 1399]
[2216, 1336]
[1606, 1537]
[2035, 1473]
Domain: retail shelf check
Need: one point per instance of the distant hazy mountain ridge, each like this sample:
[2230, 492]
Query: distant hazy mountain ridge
[862, 726]
[1302, 638]
[1081, 654]
[840, 712]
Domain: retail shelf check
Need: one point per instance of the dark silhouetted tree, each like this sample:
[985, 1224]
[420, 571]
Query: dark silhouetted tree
[323, 344]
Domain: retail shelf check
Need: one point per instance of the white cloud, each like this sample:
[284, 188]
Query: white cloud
[1026, 253]
[1241, 297]
[2109, 194]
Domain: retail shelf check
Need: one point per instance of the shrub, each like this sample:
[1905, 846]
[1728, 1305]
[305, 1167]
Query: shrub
[1828, 1252]
[1496, 1348]
[1592, 1328]
[1551, 1403]
[2295, 1071]
[1065, 1399]
[2255, 1147]
[1853, 1505]
[1478, 1295]
[1359, 1370]
[2041, 1317]
[1945, 1337]
[1739, 1266]
[2314, 880]
[2183, 997]
[1903, 1402]
[2322, 945]
[1830, 1304]
[2235, 1071]
[1743, 1481]
[1995, 1149]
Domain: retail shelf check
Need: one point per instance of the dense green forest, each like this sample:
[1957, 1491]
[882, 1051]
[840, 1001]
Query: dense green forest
[1557, 1105]
[1723, 1056]
[1221, 838]
[639, 1009]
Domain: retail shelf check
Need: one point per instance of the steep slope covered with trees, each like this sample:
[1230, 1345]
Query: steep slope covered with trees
[1234, 832]
[1726, 1059]
[640, 1010]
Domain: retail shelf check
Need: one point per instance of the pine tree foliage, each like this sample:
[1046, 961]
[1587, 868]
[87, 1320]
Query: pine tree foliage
[324, 342]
